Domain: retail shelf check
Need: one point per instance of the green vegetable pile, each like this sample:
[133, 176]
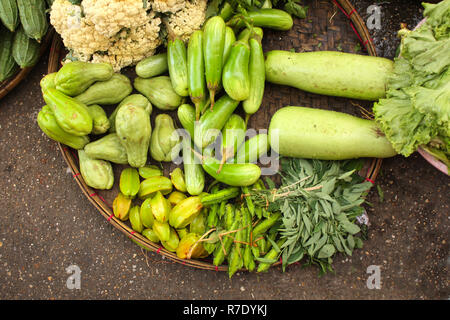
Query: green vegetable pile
[24, 24]
[237, 218]
[416, 110]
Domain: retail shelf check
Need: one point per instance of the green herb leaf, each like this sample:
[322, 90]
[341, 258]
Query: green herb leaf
[274, 245]
[265, 260]
[350, 227]
[350, 242]
[327, 251]
[337, 244]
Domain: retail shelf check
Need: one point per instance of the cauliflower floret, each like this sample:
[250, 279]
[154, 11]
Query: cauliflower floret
[189, 19]
[110, 16]
[65, 15]
[122, 32]
[168, 5]
[75, 31]
[131, 46]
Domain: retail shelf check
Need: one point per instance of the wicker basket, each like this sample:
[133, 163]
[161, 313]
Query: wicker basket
[8, 85]
[328, 26]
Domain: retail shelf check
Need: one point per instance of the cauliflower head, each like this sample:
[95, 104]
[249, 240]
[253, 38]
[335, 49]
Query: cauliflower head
[122, 32]
[76, 32]
[190, 18]
[168, 6]
[110, 17]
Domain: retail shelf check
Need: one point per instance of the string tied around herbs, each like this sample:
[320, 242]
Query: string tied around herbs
[270, 196]
[220, 236]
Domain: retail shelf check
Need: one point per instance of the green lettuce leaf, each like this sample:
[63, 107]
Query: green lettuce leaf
[416, 109]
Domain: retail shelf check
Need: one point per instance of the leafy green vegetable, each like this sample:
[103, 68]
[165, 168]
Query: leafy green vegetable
[416, 109]
[319, 202]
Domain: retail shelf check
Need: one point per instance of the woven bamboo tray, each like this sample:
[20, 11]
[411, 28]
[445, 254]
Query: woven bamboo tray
[330, 25]
[8, 85]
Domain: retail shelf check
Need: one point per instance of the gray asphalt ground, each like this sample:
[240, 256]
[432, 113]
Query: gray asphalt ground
[47, 227]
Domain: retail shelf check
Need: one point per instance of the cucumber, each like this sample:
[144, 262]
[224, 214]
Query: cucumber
[235, 77]
[196, 71]
[275, 19]
[193, 172]
[186, 115]
[257, 75]
[8, 65]
[33, 18]
[230, 39]
[233, 174]
[310, 133]
[212, 121]
[233, 135]
[213, 46]
[152, 66]
[9, 14]
[330, 73]
[25, 50]
[177, 64]
[252, 149]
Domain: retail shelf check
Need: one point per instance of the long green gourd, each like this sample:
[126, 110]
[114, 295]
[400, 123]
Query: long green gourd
[330, 73]
[33, 18]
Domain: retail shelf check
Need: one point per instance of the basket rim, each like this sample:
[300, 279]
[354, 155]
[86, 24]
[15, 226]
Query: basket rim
[8, 85]
[105, 210]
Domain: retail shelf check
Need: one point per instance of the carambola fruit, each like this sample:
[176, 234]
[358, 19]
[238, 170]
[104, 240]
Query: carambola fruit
[129, 182]
[185, 212]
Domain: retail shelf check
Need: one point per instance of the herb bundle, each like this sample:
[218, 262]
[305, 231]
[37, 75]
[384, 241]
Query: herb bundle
[319, 202]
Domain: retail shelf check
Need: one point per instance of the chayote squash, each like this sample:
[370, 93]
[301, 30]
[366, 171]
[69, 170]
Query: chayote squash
[97, 174]
[134, 99]
[71, 115]
[159, 91]
[107, 148]
[165, 142]
[108, 92]
[48, 81]
[75, 77]
[134, 130]
[47, 122]
[100, 119]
